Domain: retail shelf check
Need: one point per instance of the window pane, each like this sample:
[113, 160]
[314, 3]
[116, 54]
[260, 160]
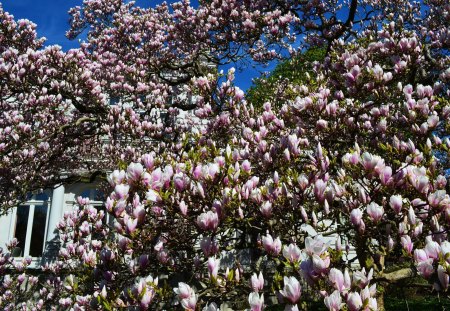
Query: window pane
[42, 196]
[21, 229]
[86, 193]
[99, 196]
[38, 231]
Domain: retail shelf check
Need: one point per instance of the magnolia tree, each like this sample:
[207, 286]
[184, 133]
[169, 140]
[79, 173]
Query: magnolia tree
[233, 209]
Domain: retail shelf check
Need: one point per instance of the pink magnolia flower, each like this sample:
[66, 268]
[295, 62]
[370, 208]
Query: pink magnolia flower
[256, 302]
[316, 245]
[372, 304]
[197, 172]
[266, 209]
[320, 265]
[390, 243]
[257, 282]
[336, 278]
[292, 252]
[148, 161]
[183, 290]
[420, 255]
[356, 217]
[163, 256]
[90, 258]
[319, 190]
[135, 171]
[183, 208]
[180, 182]
[121, 191]
[395, 202]
[432, 249]
[411, 216]
[147, 297]
[291, 290]
[347, 280]
[375, 211]
[334, 301]
[246, 167]
[407, 243]
[361, 279]
[445, 249]
[85, 228]
[116, 177]
[385, 175]
[425, 268]
[153, 196]
[270, 245]
[213, 266]
[354, 302]
[439, 199]
[189, 303]
[131, 224]
[372, 162]
[208, 221]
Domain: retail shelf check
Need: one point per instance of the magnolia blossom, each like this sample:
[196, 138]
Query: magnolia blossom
[208, 221]
[183, 290]
[315, 245]
[270, 245]
[356, 216]
[407, 243]
[189, 303]
[292, 289]
[187, 296]
[361, 278]
[425, 268]
[241, 164]
[121, 191]
[116, 177]
[336, 278]
[213, 266]
[432, 249]
[354, 301]
[375, 211]
[256, 301]
[292, 253]
[135, 171]
[152, 196]
[334, 301]
[396, 203]
[257, 282]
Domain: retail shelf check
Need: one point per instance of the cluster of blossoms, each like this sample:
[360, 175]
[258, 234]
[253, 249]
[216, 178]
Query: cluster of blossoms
[238, 210]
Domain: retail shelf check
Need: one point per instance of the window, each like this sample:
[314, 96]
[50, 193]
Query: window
[114, 100]
[30, 226]
[97, 199]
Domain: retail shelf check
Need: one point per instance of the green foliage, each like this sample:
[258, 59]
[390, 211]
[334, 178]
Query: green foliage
[426, 303]
[294, 71]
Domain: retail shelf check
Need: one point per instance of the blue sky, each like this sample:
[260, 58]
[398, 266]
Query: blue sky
[52, 20]
[50, 16]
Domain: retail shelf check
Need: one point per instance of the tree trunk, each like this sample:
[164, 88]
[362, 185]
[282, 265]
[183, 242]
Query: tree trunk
[388, 279]
[380, 300]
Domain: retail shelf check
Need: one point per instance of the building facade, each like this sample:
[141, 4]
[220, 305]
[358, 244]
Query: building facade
[33, 223]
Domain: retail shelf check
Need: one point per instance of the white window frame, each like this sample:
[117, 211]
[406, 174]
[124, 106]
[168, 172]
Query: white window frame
[32, 203]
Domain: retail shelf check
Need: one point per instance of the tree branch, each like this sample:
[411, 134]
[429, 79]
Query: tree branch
[393, 277]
